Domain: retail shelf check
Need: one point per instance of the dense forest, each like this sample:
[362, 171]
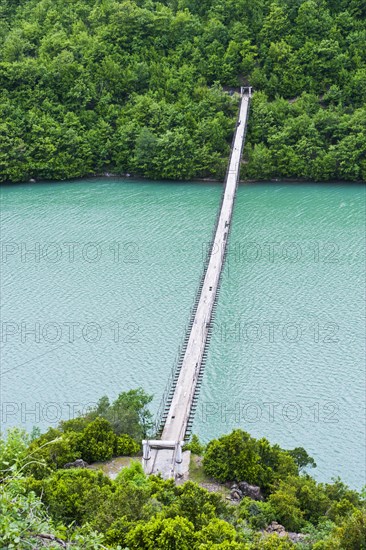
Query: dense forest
[141, 87]
[45, 502]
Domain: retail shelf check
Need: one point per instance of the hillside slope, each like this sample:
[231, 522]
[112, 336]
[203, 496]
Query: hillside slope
[136, 86]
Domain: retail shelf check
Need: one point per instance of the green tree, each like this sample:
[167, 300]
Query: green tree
[275, 25]
[302, 458]
[240, 457]
[145, 152]
[128, 414]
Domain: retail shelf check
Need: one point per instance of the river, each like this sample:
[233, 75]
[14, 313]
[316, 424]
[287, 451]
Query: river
[98, 277]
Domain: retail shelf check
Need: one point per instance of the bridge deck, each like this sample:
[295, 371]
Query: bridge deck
[162, 460]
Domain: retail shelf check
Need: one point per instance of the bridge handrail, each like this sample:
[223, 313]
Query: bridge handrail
[209, 250]
[182, 349]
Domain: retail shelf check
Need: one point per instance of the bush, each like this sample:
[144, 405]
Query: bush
[197, 504]
[286, 507]
[98, 441]
[13, 451]
[351, 535]
[274, 542]
[126, 446]
[128, 414]
[257, 514]
[194, 446]
[165, 534]
[133, 474]
[240, 457]
[75, 495]
[52, 451]
[216, 532]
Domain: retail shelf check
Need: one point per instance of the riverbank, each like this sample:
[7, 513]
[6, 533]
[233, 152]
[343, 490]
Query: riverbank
[278, 507]
[136, 178]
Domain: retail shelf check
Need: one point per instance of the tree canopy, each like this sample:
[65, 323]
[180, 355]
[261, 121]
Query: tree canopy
[138, 86]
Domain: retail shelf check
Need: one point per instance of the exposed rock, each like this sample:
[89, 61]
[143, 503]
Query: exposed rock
[296, 537]
[251, 491]
[235, 493]
[279, 530]
[79, 463]
[243, 489]
[198, 461]
[211, 487]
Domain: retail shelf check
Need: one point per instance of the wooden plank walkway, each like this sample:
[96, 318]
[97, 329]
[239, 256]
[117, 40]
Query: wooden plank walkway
[167, 460]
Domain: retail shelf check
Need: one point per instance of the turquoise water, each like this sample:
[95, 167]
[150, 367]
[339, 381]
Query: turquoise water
[98, 278]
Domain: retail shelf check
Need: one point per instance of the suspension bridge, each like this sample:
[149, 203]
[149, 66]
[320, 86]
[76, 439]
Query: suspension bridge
[175, 418]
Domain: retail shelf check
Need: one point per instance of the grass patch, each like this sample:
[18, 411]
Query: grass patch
[197, 475]
[111, 468]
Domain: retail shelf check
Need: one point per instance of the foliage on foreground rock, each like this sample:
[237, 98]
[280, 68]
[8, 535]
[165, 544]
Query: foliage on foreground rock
[104, 432]
[83, 509]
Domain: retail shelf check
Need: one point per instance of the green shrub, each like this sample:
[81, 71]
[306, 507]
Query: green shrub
[13, 451]
[165, 534]
[350, 535]
[286, 507]
[97, 441]
[257, 514]
[75, 495]
[240, 457]
[274, 542]
[126, 446]
[128, 414]
[133, 474]
[196, 504]
[52, 451]
[194, 446]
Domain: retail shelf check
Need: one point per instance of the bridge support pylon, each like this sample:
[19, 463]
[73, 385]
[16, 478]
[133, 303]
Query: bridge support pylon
[172, 463]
